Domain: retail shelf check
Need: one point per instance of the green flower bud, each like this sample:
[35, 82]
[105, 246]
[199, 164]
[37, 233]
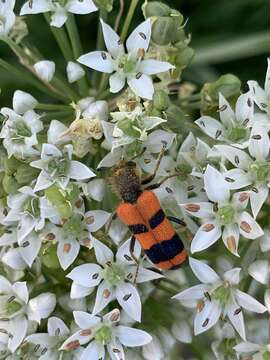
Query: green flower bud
[106, 5]
[156, 8]
[11, 165]
[49, 256]
[134, 148]
[25, 174]
[10, 184]
[57, 197]
[175, 118]
[127, 127]
[184, 57]
[2, 191]
[230, 87]
[161, 100]
[163, 30]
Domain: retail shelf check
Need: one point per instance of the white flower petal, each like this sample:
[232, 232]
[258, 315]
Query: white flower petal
[78, 291]
[87, 275]
[41, 306]
[249, 228]
[18, 328]
[13, 259]
[139, 38]
[45, 70]
[181, 331]
[57, 326]
[207, 318]
[129, 298]
[230, 237]
[211, 127]
[237, 157]
[237, 178]
[259, 142]
[79, 171]
[193, 293]
[142, 86]
[105, 295]
[202, 210]
[112, 40]
[249, 303]
[20, 289]
[55, 133]
[67, 252]
[151, 67]
[85, 320]
[23, 102]
[30, 248]
[205, 236]
[226, 113]
[259, 270]
[246, 347]
[36, 7]
[117, 82]
[244, 108]
[123, 254]
[265, 241]
[203, 272]
[233, 275]
[94, 351]
[237, 319]
[59, 17]
[95, 219]
[216, 187]
[98, 60]
[81, 6]
[258, 197]
[146, 275]
[267, 299]
[116, 350]
[74, 72]
[259, 95]
[132, 337]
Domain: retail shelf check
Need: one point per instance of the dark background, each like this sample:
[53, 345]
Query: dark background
[221, 26]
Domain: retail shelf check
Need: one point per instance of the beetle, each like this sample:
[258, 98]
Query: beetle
[142, 212]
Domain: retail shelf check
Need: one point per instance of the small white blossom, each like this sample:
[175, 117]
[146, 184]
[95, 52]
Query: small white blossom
[104, 334]
[253, 351]
[57, 167]
[74, 72]
[113, 277]
[128, 67]
[224, 216]
[216, 297]
[45, 69]
[58, 9]
[7, 16]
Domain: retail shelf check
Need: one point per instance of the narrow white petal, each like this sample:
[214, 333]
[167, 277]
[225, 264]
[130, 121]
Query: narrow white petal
[151, 67]
[202, 210]
[98, 60]
[20, 289]
[259, 143]
[78, 291]
[43, 181]
[244, 108]
[59, 17]
[237, 178]
[139, 38]
[205, 236]
[203, 272]
[246, 347]
[182, 332]
[30, 249]
[265, 241]
[132, 337]
[116, 350]
[79, 171]
[237, 319]
[194, 293]
[74, 72]
[18, 328]
[85, 320]
[142, 86]
[230, 237]
[258, 197]
[259, 95]
[211, 127]
[225, 112]
[81, 6]
[95, 219]
[94, 351]
[23, 102]
[249, 303]
[57, 326]
[41, 306]
[249, 228]
[129, 298]
[207, 318]
[105, 295]
[216, 187]
[237, 157]
[35, 7]
[123, 254]
[260, 270]
[117, 82]
[87, 275]
[145, 275]
[14, 260]
[233, 276]
[112, 40]
[67, 252]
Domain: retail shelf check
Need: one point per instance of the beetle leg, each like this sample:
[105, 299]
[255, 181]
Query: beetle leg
[177, 221]
[131, 250]
[109, 224]
[151, 177]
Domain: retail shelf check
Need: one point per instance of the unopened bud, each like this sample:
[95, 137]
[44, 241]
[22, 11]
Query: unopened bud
[156, 8]
[106, 5]
[25, 174]
[161, 100]
[163, 30]
[10, 184]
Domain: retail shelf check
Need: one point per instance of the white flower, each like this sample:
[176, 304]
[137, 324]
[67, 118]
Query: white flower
[262, 96]
[74, 72]
[19, 132]
[253, 169]
[224, 216]
[128, 67]
[7, 16]
[25, 213]
[17, 310]
[48, 344]
[45, 70]
[104, 334]
[253, 351]
[234, 127]
[113, 277]
[59, 9]
[216, 297]
[57, 167]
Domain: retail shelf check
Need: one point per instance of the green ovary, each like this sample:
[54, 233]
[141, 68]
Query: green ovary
[20, 131]
[222, 294]
[58, 167]
[259, 171]
[31, 207]
[128, 65]
[236, 134]
[73, 227]
[225, 215]
[104, 335]
[113, 274]
[8, 306]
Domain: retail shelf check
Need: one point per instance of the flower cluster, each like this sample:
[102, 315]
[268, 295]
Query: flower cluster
[74, 282]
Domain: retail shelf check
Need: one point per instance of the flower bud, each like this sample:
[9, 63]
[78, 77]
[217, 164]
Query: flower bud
[175, 117]
[127, 127]
[10, 184]
[45, 70]
[156, 8]
[163, 30]
[230, 87]
[25, 174]
[57, 197]
[11, 165]
[161, 100]
[184, 57]
[23, 102]
[74, 72]
[106, 5]
[2, 191]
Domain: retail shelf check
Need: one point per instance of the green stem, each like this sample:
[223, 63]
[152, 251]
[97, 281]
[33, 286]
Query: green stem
[77, 49]
[246, 46]
[61, 39]
[129, 17]
[53, 107]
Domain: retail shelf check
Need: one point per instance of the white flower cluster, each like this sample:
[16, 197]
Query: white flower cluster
[73, 284]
